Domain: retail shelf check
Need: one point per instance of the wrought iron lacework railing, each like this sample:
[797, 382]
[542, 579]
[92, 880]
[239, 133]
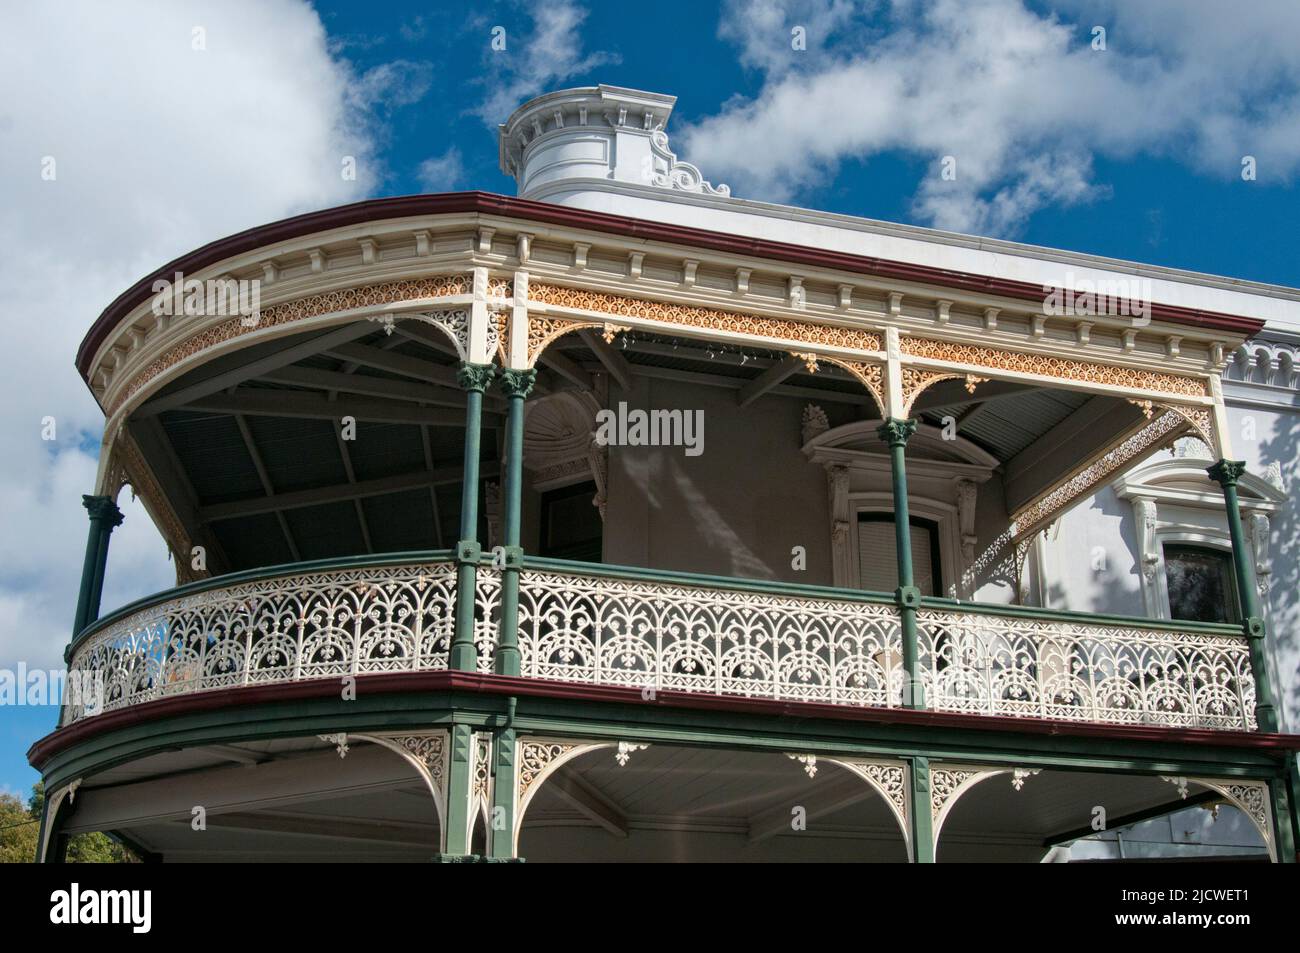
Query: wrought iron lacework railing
[725, 642]
[1134, 675]
[605, 630]
[671, 632]
[323, 624]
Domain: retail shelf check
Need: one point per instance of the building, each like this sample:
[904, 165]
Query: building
[626, 519]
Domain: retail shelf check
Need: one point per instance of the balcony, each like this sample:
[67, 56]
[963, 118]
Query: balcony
[699, 635]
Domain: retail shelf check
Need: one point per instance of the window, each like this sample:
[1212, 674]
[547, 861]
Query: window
[878, 554]
[571, 524]
[1201, 584]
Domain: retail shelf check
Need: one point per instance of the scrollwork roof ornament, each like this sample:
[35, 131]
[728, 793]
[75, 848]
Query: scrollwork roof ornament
[672, 173]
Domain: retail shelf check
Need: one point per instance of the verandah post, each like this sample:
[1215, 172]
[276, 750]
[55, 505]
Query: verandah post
[1226, 473]
[895, 432]
[517, 384]
[463, 656]
[921, 827]
[104, 516]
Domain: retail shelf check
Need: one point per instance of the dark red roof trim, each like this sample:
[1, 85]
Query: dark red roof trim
[417, 682]
[492, 204]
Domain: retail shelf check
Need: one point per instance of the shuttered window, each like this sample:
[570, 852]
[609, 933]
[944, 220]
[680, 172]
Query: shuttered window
[878, 554]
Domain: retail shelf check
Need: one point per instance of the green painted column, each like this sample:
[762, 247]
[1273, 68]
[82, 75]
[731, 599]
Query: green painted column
[474, 378]
[1283, 833]
[921, 828]
[460, 781]
[104, 517]
[501, 824]
[1293, 794]
[517, 385]
[1226, 473]
[895, 432]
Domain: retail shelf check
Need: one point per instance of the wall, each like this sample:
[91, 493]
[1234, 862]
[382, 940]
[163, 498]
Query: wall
[737, 509]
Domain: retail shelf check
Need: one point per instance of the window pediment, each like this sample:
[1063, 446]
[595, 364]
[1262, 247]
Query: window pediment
[927, 444]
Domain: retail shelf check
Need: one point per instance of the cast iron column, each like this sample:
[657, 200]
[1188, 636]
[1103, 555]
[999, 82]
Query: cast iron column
[921, 830]
[1226, 473]
[104, 516]
[895, 432]
[463, 656]
[517, 384]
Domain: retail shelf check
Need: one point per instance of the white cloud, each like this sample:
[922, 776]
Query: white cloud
[415, 30]
[1020, 100]
[442, 173]
[537, 62]
[159, 148]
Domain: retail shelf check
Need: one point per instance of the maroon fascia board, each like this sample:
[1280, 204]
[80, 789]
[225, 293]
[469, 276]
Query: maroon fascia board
[447, 681]
[493, 204]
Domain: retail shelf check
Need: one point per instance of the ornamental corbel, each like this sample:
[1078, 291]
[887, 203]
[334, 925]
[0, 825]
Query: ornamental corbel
[809, 359]
[625, 750]
[1179, 783]
[1146, 406]
[340, 742]
[1259, 538]
[809, 762]
[815, 422]
[1019, 775]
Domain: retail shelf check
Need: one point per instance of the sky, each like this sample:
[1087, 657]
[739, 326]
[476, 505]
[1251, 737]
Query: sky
[1166, 131]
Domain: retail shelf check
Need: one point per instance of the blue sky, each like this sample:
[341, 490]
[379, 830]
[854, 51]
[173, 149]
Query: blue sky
[1152, 204]
[1132, 151]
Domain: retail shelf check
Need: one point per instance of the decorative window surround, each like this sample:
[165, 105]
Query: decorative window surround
[1174, 501]
[943, 477]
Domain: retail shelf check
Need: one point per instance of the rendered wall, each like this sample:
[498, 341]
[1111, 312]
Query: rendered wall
[737, 509]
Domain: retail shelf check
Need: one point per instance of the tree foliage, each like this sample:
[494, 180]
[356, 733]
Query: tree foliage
[20, 826]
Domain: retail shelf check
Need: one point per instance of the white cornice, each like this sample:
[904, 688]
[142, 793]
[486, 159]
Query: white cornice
[861, 236]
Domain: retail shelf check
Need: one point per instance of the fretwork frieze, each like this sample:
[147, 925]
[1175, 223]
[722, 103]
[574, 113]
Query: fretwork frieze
[707, 319]
[330, 302]
[1053, 366]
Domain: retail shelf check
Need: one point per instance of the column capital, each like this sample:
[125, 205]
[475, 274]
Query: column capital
[518, 383]
[895, 431]
[1226, 472]
[473, 376]
[102, 509]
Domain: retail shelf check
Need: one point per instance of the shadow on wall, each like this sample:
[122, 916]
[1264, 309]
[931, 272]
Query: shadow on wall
[1099, 572]
[1284, 584]
[741, 536]
[1116, 588]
